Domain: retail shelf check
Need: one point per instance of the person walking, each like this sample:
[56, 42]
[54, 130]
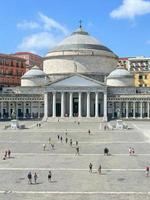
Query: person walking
[90, 167]
[49, 140]
[77, 150]
[89, 132]
[9, 152]
[130, 151]
[35, 177]
[71, 142]
[147, 171]
[106, 151]
[44, 147]
[66, 140]
[61, 139]
[58, 137]
[49, 176]
[133, 151]
[77, 143]
[6, 153]
[100, 169]
[29, 178]
[53, 147]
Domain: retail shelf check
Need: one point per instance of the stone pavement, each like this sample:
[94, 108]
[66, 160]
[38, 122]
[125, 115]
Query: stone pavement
[123, 176]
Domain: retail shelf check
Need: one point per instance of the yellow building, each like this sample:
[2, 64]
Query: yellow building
[140, 67]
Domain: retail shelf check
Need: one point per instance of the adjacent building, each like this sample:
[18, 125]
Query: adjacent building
[140, 67]
[11, 70]
[31, 59]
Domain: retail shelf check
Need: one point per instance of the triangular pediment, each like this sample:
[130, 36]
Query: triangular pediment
[77, 81]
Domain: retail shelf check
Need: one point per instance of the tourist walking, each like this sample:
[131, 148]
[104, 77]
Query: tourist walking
[53, 147]
[130, 151]
[6, 153]
[147, 171]
[44, 147]
[66, 140]
[106, 151]
[90, 167]
[58, 137]
[89, 131]
[77, 150]
[9, 153]
[29, 178]
[71, 142]
[49, 140]
[100, 169]
[77, 143]
[35, 177]
[61, 139]
[49, 176]
[133, 151]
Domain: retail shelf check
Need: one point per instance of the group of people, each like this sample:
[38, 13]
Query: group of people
[70, 141]
[91, 168]
[35, 177]
[7, 154]
[131, 151]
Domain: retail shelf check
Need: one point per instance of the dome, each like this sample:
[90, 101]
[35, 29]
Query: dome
[119, 73]
[80, 40]
[34, 77]
[80, 53]
[34, 71]
[120, 77]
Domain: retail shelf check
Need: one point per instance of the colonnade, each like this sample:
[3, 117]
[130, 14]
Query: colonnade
[27, 109]
[80, 104]
[129, 109]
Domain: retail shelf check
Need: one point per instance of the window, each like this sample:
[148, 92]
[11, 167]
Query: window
[140, 77]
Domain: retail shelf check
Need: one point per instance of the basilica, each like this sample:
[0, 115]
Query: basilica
[81, 79]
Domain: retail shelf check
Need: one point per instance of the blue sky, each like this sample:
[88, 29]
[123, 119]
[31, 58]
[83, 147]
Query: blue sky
[38, 25]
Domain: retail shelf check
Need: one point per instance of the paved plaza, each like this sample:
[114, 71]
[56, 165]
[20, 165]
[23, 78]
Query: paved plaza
[123, 176]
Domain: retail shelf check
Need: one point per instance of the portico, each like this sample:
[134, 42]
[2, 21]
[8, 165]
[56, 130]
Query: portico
[76, 96]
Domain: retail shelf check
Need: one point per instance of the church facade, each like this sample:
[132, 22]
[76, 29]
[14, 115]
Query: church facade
[80, 78]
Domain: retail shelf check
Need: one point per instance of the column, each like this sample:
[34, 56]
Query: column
[39, 110]
[62, 104]
[54, 104]
[70, 104]
[127, 109]
[113, 109]
[16, 109]
[141, 109]
[148, 110]
[9, 113]
[105, 107]
[79, 105]
[88, 104]
[2, 112]
[96, 104]
[24, 109]
[134, 109]
[46, 105]
[31, 110]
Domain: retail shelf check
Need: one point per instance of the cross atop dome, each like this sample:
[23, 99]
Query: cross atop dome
[80, 22]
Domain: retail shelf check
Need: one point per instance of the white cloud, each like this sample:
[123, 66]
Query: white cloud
[131, 8]
[25, 25]
[49, 24]
[39, 41]
[47, 34]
